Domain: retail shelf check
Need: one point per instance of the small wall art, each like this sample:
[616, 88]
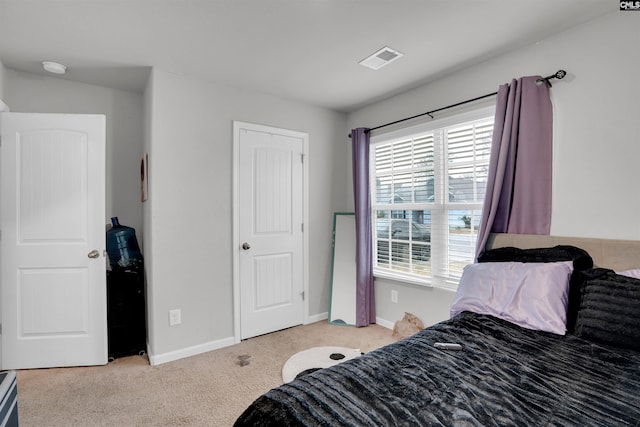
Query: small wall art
[144, 177]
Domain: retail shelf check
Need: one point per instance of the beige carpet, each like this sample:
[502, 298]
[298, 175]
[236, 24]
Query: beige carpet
[210, 389]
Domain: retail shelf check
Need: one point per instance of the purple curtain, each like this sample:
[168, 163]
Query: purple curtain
[518, 197]
[365, 297]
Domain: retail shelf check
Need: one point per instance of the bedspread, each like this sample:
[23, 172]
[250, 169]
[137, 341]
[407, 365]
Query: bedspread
[505, 375]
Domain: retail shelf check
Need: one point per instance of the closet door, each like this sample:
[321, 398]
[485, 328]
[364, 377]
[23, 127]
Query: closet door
[270, 216]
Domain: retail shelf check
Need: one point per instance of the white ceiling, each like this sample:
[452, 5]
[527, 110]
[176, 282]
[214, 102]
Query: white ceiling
[307, 50]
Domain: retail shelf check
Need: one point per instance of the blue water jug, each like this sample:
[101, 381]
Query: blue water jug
[122, 246]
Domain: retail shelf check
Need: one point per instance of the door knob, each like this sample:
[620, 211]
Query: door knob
[93, 254]
[246, 246]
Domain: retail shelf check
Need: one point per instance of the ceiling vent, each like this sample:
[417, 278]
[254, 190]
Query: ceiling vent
[381, 58]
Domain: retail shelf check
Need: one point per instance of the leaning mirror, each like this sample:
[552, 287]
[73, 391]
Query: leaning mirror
[342, 306]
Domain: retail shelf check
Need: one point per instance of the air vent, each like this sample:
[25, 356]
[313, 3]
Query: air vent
[381, 58]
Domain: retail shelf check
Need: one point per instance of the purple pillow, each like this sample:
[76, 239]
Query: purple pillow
[531, 295]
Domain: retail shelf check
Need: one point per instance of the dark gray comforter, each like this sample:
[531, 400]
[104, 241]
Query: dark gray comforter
[504, 376]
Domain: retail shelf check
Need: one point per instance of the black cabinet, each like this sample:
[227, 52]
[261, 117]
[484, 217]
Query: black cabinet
[126, 316]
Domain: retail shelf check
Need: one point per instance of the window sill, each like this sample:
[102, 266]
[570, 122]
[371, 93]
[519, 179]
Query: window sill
[402, 278]
[417, 281]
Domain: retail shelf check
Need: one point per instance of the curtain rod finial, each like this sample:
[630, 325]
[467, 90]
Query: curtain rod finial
[560, 74]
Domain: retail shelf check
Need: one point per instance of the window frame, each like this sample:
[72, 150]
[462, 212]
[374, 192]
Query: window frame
[414, 131]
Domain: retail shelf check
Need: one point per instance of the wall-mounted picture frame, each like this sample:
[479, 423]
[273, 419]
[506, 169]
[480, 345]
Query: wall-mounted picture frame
[144, 177]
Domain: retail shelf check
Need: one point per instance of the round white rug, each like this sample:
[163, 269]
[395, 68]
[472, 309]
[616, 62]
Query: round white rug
[316, 358]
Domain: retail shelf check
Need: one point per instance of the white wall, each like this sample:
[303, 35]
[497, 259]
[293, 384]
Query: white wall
[596, 180]
[189, 212]
[31, 93]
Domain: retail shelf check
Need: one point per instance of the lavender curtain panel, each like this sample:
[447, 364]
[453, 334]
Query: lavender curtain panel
[518, 197]
[365, 297]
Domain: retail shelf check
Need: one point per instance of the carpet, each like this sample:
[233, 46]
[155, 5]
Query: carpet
[315, 358]
[208, 389]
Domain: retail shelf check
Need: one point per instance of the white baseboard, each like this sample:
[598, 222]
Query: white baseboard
[317, 317]
[157, 359]
[389, 325]
[324, 316]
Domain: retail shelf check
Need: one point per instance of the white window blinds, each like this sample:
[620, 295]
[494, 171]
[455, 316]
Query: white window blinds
[429, 188]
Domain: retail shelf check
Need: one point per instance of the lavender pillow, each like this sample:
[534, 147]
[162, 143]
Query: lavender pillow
[531, 295]
[634, 273]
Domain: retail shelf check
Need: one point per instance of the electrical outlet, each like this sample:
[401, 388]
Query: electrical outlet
[394, 296]
[175, 317]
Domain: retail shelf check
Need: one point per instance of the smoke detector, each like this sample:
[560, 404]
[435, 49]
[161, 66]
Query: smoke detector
[54, 67]
[381, 58]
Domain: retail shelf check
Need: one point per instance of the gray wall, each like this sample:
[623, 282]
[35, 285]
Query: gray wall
[185, 227]
[596, 180]
[31, 93]
[186, 127]
[2, 71]
[25, 92]
[188, 218]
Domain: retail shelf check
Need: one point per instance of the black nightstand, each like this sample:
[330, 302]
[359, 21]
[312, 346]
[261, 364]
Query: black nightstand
[126, 314]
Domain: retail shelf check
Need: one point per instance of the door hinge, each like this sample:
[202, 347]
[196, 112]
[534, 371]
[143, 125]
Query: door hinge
[302, 227]
[0, 328]
[302, 294]
[302, 157]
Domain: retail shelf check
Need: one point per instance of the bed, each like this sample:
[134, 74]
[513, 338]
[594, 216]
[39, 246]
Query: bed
[518, 366]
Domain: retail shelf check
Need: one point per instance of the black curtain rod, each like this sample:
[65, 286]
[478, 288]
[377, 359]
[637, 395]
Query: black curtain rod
[560, 74]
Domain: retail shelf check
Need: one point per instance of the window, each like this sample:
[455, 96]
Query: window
[429, 189]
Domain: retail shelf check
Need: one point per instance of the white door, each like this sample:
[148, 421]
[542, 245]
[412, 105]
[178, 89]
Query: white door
[269, 222]
[52, 272]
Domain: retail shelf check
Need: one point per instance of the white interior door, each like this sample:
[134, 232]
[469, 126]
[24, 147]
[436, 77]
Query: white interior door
[269, 220]
[52, 275]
